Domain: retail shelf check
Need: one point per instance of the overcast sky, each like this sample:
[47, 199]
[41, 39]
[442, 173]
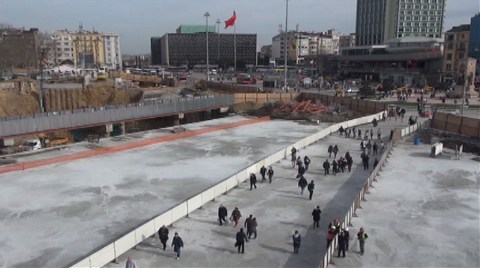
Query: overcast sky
[138, 20]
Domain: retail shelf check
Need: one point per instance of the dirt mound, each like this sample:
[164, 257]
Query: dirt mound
[18, 103]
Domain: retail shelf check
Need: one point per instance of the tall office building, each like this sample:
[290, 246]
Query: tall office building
[474, 47]
[381, 20]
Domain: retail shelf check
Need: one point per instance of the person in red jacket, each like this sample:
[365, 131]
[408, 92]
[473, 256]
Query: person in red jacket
[331, 235]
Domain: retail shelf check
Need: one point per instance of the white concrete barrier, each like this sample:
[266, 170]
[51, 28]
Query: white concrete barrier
[437, 149]
[121, 245]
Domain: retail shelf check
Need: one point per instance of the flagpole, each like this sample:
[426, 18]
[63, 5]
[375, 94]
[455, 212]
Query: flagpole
[235, 47]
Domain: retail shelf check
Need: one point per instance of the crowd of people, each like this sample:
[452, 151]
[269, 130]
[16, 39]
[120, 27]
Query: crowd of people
[369, 146]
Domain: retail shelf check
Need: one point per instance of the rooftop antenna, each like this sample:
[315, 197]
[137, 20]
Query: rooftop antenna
[80, 27]
[280, 28]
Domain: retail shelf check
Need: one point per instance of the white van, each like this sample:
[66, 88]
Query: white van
[32, 144]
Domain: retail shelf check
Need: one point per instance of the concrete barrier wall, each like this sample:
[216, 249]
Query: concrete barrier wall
[114, 249]
[457, 124]
[361, 196]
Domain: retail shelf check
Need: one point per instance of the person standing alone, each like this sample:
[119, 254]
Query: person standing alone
[297, 239]
[253, 181]
[362, 236]
[316, 216]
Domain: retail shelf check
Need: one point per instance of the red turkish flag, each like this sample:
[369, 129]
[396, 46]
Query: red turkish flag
[231, 21]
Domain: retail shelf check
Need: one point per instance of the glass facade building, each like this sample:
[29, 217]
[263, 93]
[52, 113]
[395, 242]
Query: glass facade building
[191, 49]
[381, 20]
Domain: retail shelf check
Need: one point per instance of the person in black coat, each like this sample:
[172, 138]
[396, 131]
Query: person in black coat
[330, 150]
[263, 172]
[222, 213]
[316, 216]
[347, 237]
[311, 187]
[341, 243]
[177, 244]
[302, 183]
[297, 239]
[335, 151]
[248, 225]
[365, 160]
[163, 235]
[326, 167]
[306, 161]
[270, 174]
[241, 238]
[301, 170]
[253, 181]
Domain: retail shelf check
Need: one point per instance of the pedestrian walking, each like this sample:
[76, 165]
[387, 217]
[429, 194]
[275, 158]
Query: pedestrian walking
[248, 225]
[299, 161]
[330, 235]
[335, 151]
[382, 146]
[375, 148]
[301, 171]
[294, 156]
[379, 133]
[241, 238]
[334, 167]
[130, 263]
[177, 244]
[263, 172]
[391, 134]
[302, 183]
[254, 228]
[326, 167]
[297, 240]
[253, 181]
[163, 235]
[316, 216]
[270, 174]
[306, 161]
[365, 160]
[354, 131]
[222, 214]
[371, 134]
[330, 150]
[359, 133]
[347, 237]
[341, 243]
[362, 237]
[375, 163]
[311, 187]
[235, 217]
[349, 161]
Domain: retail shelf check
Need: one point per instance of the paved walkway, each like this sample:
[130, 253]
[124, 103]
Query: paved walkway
[279, 209]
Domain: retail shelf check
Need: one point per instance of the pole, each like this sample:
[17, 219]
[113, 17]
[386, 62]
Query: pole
[40, 93]
[235, 47]
[218, 43]
[206, 32]
[286, 46]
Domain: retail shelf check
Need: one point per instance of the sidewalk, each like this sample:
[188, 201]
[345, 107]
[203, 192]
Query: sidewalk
[279, 209]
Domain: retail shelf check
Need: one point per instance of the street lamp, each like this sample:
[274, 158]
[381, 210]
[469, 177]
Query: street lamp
[285, 45]
[206, 32]
[218, 42]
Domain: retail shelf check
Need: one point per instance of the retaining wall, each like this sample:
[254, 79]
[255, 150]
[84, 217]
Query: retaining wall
[457, 124]
[113, 249]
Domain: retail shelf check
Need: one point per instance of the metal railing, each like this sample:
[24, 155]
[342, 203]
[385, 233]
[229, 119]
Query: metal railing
[116, 247]
[19, 125]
